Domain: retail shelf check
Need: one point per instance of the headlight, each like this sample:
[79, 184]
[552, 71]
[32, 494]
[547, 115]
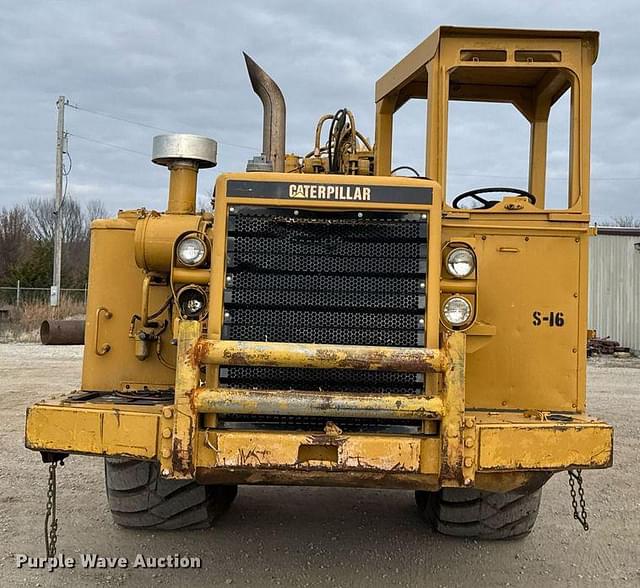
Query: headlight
[460, 262]
[191, 251]
[457, 311]
[192, 301]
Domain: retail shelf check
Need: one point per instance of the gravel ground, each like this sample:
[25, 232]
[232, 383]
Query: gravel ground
[315, 536]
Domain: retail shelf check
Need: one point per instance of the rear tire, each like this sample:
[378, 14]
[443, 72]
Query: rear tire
[139, 498]
[463, 512]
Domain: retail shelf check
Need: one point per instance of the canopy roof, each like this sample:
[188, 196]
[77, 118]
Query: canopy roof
[491, 41]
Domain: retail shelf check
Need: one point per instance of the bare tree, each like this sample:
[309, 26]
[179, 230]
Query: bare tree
[26, 241]
[96, 209]
[624, 221]
[43, 219]
[15, 237]
[203, 203]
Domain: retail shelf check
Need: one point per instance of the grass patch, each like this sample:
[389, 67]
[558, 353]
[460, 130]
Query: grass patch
[23, 323]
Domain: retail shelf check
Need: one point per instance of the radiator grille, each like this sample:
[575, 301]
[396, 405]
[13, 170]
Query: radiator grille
[311, 276]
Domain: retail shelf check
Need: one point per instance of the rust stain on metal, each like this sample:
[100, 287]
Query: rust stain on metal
[451, 463]
[328, 355]
[324, 439]
[176, 457]
[363, 464]
[182, 457]
[332, 429]
[296, 476]
[197, 352]
[324, 404]
[192, 396]
[235, 358]
[319, 356]
[452, 427]
[191, 359]
[246, 458]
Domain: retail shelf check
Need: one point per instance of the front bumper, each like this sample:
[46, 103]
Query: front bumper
[487, 450]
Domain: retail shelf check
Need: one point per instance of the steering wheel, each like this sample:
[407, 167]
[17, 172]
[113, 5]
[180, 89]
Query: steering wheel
[489, 203]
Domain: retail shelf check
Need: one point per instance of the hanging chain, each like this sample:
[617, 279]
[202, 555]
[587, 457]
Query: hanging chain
[50, 519]
[579, 514]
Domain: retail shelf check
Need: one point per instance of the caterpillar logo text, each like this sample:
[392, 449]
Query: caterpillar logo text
[321, 192]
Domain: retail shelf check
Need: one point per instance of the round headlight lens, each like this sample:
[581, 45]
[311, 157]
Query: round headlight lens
[192, 301]
[191, 251]
[457, 310]
[460, 262]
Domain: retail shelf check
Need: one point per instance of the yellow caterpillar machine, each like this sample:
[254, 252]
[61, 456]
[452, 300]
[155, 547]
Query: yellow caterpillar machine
[330, 323]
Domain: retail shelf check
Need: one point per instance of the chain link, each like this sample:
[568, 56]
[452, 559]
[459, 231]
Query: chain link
[50, 519]
[580, 515]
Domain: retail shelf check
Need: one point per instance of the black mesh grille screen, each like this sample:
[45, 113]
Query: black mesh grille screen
[324, 277]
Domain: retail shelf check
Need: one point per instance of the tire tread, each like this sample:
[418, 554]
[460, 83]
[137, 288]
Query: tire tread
[139, 498]
[471, 513]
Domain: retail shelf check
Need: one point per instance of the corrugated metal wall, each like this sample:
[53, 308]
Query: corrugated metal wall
[614, 288]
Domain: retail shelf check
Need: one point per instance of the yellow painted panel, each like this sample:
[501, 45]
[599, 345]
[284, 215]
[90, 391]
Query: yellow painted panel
[63, 430]
[354, 452]
[505, 446]
[115, 283]
[133, 434]
[99, 432]
[545, 447]
[529, 363]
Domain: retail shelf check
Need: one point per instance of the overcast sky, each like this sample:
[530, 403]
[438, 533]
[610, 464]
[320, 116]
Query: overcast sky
[179, 66]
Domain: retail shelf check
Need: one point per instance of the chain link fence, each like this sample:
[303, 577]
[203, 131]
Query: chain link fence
[22, 310]
[17, 296]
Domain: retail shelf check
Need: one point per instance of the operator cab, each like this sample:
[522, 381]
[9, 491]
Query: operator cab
[529, 70]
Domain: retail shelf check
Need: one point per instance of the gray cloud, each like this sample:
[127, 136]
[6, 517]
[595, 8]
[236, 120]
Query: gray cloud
[178, 66]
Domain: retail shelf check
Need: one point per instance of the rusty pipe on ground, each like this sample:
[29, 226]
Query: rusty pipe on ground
[274, 114]
[62, 332]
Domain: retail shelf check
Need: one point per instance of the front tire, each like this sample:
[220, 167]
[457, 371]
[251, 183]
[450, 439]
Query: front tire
[463, 512]
[139, 498]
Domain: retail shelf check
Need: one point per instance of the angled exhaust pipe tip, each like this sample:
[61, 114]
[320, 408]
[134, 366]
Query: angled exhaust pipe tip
[275, 114]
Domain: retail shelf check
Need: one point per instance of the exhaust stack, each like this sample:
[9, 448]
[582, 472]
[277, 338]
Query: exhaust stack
[274, 121]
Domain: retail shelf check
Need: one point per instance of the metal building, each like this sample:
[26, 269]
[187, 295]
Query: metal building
[614, 285]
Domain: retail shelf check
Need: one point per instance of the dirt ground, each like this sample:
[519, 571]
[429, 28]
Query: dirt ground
[315, 536]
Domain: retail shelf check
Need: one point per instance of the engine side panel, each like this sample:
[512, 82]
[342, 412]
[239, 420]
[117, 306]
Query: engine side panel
[115, 285]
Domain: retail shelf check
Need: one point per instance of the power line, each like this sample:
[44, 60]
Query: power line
[495, 177]
[239, 146]
[148, 126]
[120, 118]
[112, 145]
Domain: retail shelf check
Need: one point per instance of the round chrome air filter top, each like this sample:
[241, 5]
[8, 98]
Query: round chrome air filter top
[168, 149]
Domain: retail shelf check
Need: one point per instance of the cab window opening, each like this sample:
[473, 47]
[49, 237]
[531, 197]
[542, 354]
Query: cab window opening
[409, 145]
[488, 145]
[511, 127]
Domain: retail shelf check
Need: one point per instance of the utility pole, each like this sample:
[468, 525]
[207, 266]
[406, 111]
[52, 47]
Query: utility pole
[57, 238]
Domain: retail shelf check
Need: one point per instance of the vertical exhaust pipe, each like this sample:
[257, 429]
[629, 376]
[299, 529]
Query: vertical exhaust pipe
[275, 115]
